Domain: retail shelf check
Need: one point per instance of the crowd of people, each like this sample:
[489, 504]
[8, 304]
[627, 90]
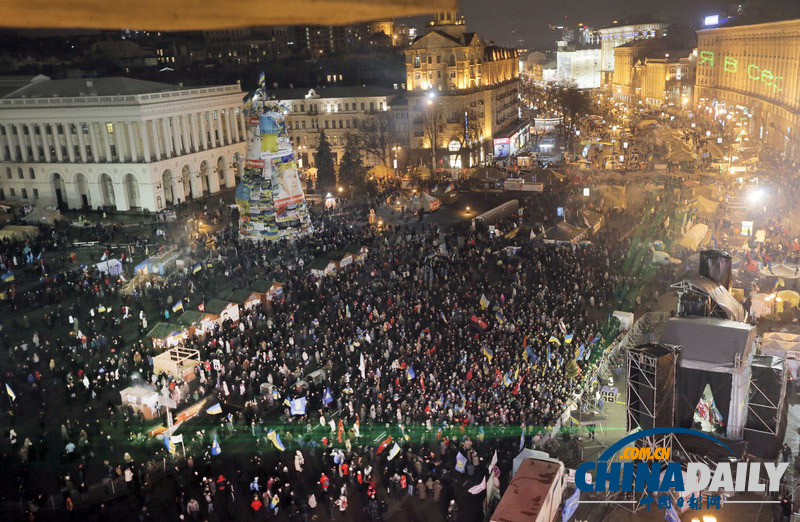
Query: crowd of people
[419, 370]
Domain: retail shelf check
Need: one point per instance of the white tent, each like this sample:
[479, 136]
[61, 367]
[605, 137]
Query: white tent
[111, 267]
[694, 237]
[425, 202]
[760, 305]
[784, 345]
[779, 270]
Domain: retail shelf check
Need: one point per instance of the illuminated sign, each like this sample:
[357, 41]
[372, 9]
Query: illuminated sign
[711, 20]
[731, 65]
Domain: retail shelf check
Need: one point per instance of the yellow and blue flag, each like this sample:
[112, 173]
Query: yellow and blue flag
[276, 440]
[484, 302]
[197, 268]
[554, 339]
[298, 406]
[488, 353]
[169, 444]
[215, 409]
[262, 79]
[177, 306]
[568, 338]
[410, 372]
[215, 449]
[8, 277]
[11, 393]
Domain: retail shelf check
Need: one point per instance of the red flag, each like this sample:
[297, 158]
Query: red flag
[384, 444]
[422, 382]
[516, 388]
[202, 306]
[340, 434]
[525, 342]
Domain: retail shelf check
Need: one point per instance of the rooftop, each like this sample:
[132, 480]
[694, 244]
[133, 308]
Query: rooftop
[332, 92]
[113, 86]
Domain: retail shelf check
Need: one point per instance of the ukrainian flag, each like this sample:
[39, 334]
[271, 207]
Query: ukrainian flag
[215, 449]
[11, 393]
[169, 444]
[499, 317]
[410, 373]
[262, 79]
[215, 409]
[8, 277]
[276, 440]
[177, 306]
[554, 339]
[197, 268]
[488, 353]
[568, 338]
[484, 302]
[101, 309]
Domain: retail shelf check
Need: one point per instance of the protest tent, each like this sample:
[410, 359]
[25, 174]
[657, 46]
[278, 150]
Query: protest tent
[178, 362]
[693, 238]
[112, 267]
[220, 310]
[564, 232]
[321, 267]
[268, 289]
[193, 320]
[163, 335]
[42, 216]
[18, 232]
[340, 257]
[158, 264]
[246, 299]
[359, 251]
[142, 399]
[425, 203]
[594, 221]
[704, 206]
[786, 299]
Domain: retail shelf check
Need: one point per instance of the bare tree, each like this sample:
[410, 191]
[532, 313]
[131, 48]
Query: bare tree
[377, 135]
[433, 126]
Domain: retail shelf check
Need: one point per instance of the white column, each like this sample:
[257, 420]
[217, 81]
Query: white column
[203, 132]
[48, 157]
[144, 138]
[4, 140]
[70, 143]
[176, 135]
[177, 189]
[230, 177]
[23, 143]
[32, 142]
[106, 137]
[94, 145]
[193, 132]
[236, 130]
[156, 140]
[220, 135]
[57, 143]
[121, 196]
[228, 129]
[130, 128]
[187, 143]
[81, 142]
[196, 184]
[169, 151]
[119, 141]
[242, 125]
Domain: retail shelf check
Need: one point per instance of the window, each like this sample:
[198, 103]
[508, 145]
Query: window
[8, 173]
[24, 193]
[339, 108]
[110, 128]
[355, 123]
[32, 173]
[35, 193]
[326, 124]
[372, 106]
[430, 60]
[347, 123]
[416, 61]
[19, 173]
[362, 106]
[13, 192]
[347, 106]
[302, 108]
[438, 59]
[304, 124]
[340, 124]
[2, 194]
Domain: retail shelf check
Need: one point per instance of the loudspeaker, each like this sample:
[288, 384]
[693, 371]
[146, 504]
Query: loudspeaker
[717, 266]
[767, 408]
[695, 304]
[652, 369]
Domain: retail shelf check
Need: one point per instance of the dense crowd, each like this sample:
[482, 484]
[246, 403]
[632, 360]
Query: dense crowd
[437, 351]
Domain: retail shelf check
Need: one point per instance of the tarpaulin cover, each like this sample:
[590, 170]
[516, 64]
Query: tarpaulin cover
[719, 294]
[709, 339]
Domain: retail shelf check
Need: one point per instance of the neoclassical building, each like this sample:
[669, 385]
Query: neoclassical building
[614, 36]
[755, 70]
[118, 143]
[461, 93]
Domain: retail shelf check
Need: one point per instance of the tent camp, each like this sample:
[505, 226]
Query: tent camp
[18, 232]
[782, 344]
[42, 216]
[425, 203]
[565, 232]
[786, 299]
[704, 206]
[692, 239]
[592, 220]
[112, 267]
[613, 196]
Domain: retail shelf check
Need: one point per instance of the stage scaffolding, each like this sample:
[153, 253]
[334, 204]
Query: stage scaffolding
[760, 407]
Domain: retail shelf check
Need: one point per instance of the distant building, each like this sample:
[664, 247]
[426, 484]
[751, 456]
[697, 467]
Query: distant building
[753, 70]
[338, 111]
[578, 67]
[118, 143]
[462, 93]
[652, 71]
[316, 40]
[611, 37]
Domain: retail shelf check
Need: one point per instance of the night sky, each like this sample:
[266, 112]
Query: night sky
[506, 21]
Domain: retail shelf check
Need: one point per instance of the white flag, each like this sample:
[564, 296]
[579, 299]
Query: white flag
[177, 438]
[394, 452]
[363, 367]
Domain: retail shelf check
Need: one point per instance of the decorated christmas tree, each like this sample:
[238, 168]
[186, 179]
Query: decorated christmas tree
[271, 201]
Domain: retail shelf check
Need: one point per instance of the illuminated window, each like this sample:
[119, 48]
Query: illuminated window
[110, 128]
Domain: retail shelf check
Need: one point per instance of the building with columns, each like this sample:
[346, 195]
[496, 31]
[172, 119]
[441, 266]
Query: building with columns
[118, 143]
[753, 70]
[614, 36]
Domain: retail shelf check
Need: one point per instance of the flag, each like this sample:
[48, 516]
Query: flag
[581, 351]
[274, 501]
[488, 353]
[562, 327]
[262, 79]
[568, 338]
[215, 409]
[499, 316]
[340, 432]
[357, 428]
[298, 406]
[422, 382]
[202, 306]
[671, 515]
[554, 339]
[521, 440]
[461, 462]
[347, 311]
[383, 445]
[394, 451]
[169, 443]
[506, 380]
[410, 373]
[781, 282]
[449, 188]
[596, 338]
[197, 268]
[11, 393]
[276, 440]
[362, 366]
[571, 505]
[101, 309]
[215, 449]
[516, 388]
[177, 439]
[484, 302]
[480, 323]
[177, 306]
[478, 488]
[327, 398]
[8, 277]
